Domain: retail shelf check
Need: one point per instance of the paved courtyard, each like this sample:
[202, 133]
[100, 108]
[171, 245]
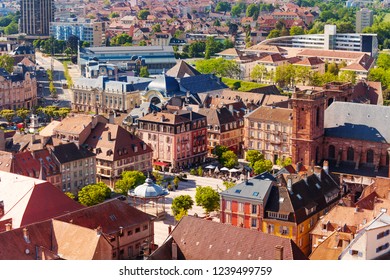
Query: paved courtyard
[161, 227]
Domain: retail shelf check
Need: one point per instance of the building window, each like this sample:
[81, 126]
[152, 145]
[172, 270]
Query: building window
[228, 204]
[130, 232]
[270, 228]
[383, 247]
[241, 207]
[382, 234]
[370, 156]
[350, 154]
[227, 219]
[283, 230]
[254, 222]
[137, 230]
[331, 151]
[254, 209]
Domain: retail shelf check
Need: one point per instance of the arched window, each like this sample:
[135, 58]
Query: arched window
[330, 101]
[350, 154]
[370, 156]
[331, 151]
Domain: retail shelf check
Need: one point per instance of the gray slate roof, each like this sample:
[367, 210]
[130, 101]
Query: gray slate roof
[358, 121]
[256, 188]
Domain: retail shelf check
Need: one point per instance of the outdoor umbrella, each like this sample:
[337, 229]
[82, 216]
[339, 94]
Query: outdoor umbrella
[234, 170]
[216, 170]
[224, 169]
[210, 167]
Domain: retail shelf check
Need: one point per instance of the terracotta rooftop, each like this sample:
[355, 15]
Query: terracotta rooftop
[74, 124]
[310, 61]
[331, 54]
[28, 200]
[276, 57]
[269, 113]
[199, 239]
[122, 143]
[164, 117]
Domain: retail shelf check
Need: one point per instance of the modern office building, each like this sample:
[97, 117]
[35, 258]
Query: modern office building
[36, 16]
[86, 31]
[330, 40]
[156, 58]
[364, 18]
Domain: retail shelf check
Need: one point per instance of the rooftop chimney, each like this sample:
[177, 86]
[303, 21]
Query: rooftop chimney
[109, 136]
[231, 108]
[317, 171]
[99, 230]
[278, 252]
[174, 250]
[8, 227]
[299, 166]
[289, 183]
[325, 166]
[26, 235]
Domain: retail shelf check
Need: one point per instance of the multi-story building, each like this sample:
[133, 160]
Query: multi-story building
[243, 205]
[118, 150]
[330, 40]
[225, 127]
[78, 166]
[364, 18]
[370, 243]
[92, 32]
[107, 95]
[268, 129]
[177, 139]
[156, 58]
[17, 90]
[36, 16]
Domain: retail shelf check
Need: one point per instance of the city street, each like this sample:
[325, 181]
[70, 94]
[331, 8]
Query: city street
[64, 97]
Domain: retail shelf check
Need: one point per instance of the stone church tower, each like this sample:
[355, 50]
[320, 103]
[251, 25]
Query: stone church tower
[308, 126]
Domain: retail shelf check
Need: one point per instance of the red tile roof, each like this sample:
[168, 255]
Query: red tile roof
[199, 239]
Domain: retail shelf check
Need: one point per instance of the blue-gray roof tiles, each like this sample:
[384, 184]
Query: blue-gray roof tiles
[358, 121]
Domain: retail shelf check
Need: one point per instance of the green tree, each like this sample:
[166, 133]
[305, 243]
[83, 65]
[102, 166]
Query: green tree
[156, 28]
[227, 44]
[253, 156]
[228, 184]
[285, 75]
[200, 171]
[52, 88]
[212, 47]
[7, 114]
[49, 111]
[229, 159]
[296, 30]
[207, 198]
[113, 15]
[196, 49]
[143, 14]
[159, 178]
[383, 61]
[122, 39]
[23, 113]
[129, 180]
[70, 195]
[258, 73]
[176, 182]
[180, 204]
[223, 7]
[252, 10]
[12, 28]
[380, 75]
[274, 33]
[142, 43]
[284, 162]
[261, 166]
[236, 11]
[219, 66]
[73, 43]
[348, 76]
[85, 44]
[143, 72]
[302, 74]
[62, 112]
[94, 194]
[219, 150]
[7, 62]
[333, 68]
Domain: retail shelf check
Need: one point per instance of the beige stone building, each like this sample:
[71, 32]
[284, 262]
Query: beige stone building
[105, 95]
[268, 130]
[118, 150]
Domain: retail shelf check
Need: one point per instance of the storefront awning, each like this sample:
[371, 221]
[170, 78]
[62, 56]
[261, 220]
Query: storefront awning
[160, 163]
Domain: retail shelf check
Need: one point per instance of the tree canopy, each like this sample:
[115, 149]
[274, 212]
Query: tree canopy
[181, 204]
[94, 194]
[207, 198]
[219, 66]
[122, 39]
[129, 180]
[229, 159]
[143, 14]
[223, 7]
[7, 62]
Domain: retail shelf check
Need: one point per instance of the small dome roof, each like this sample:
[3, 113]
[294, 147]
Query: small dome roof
[164, 84]
[148, 189]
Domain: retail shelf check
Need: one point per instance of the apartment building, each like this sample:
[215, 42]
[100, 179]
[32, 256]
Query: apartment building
[268, 129]
[78, 166]
[35, 16]
[177, 139]
[364, 18]
[117, 150]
